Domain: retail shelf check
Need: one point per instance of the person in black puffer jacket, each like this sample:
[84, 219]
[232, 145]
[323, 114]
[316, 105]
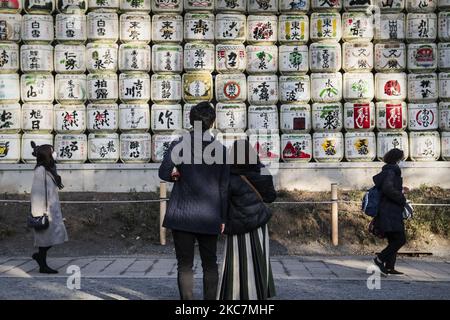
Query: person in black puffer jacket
[246, 255]
[389, 219]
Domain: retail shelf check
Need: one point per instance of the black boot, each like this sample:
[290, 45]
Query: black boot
[41, 259]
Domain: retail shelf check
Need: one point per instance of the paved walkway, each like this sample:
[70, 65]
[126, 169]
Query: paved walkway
[284, 268]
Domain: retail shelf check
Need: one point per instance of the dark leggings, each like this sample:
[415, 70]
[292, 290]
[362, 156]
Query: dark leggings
[43, 253]
[396, 240]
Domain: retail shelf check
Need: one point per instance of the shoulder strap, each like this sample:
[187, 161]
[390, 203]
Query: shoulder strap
[252, 186]
[45, 183]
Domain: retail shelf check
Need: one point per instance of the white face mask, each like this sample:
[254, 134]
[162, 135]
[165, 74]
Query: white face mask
[54, 154]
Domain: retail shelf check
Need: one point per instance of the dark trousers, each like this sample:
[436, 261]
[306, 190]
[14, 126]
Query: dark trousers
[184, 249]
[396, 240]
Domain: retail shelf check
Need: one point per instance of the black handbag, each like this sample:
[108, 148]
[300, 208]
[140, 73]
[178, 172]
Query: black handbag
[40, 222]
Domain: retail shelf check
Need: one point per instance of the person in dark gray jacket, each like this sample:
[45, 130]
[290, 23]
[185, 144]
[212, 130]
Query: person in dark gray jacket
[198, 202]
[389, 219]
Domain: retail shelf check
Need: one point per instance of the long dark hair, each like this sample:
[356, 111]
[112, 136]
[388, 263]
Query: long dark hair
[44, 158]
[393, 156]
[244, 157]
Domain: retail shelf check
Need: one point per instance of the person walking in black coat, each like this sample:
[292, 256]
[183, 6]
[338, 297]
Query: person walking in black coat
[198, 201]
[389, 219]
[246, 270]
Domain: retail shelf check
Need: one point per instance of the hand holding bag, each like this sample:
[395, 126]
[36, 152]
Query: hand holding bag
[40, 222]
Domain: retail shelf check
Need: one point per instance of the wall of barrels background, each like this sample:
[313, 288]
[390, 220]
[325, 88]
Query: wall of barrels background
[111, 80]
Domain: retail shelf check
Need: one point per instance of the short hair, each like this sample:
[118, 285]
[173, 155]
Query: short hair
[203, 112]
[393, 156]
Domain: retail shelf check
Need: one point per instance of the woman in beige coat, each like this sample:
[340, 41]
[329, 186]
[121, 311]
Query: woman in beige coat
[46, 180]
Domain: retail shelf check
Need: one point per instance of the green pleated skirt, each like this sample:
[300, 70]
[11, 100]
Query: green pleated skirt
[246, 273]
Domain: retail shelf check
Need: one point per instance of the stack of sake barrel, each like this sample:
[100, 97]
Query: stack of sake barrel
[444, 76]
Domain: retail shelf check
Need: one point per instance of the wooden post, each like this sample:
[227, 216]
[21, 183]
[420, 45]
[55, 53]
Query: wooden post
[162, 211]
[334, 215]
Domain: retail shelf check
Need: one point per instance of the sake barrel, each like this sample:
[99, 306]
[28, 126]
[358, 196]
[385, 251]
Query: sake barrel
[166, 88]
[425, 146]
[70, 118]
[335, 5]
[444, 26]
[390, 86]
[390, 57]
[199, 26]
[167, 58]
[230, 58]
[37, 117]
[72, 6]
[186, 113]
[134, 86]
[160, 145]
[263, 119]
[357, 56]
[391, 115]
[139, 6]
[199, 5]
[9, 148]
[443, 56]
[103, 148]
[328, 146]
[295, 118]
[231, 117]
[262, 29]
[391, 27]
[358, 86]
[262, 89]
[102, 26]
[293, 28]
[9, 88]
[255, 6]
[167, 6]
[444, 116]
[357, 26]
[10, 118]
[102, 87]
[390, 140]
[359, 116]
[231, 6]
[294, 89]
[39, 6]
[101, 57]
[70, 88]
[37, 28]
[325, 57]
[70, 28]
[135, 147]
[231, 27]
[229, 138]
[443, 4]
[262, 59]
[166, 117]
[267, 146]
[197, 87]
[293, 58]
[38, 139]
[70, 58]
[11, 27]
[445, 146]
[360, 146]
[102, 117]
[293, 6]
[36, 87]
[296, 147]
[389, 6]
[444, 85]
[422, 57]
[71, 148]
[135, 27]
[326, 87]
[134, 117]
[421, 5]
[9, 57]
[231, 87]
[421, 27]
[134, 57]
[423, 116]
[109, 5]
[11, 6]
[327, 117]
[423, 87]
[199, 57]
[325, 26]
[167, 28]
[36, 58]
[351, 5]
